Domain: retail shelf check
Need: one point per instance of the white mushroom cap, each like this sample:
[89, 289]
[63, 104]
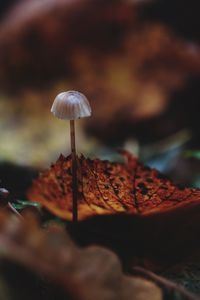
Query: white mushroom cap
[71, 105]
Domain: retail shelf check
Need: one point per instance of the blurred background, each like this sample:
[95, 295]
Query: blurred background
[138, 63]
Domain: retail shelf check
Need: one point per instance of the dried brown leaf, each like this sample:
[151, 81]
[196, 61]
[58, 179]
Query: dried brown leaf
[106, 188]
[90, 273]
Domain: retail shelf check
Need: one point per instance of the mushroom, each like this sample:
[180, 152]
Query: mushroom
[72, 105]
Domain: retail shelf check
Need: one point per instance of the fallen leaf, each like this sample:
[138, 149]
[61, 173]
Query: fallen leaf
[132, 209]
[90, 273]
[107, 188]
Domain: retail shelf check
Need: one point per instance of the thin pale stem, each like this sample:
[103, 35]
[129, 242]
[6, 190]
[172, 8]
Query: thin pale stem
[74, 173]
[11, 207]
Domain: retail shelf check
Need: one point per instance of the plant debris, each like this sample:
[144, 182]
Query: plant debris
[83, 274]
[131, 209]
[107, 188]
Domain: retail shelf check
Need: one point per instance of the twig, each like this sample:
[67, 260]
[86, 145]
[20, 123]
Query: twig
[164, 283]
[14, 210]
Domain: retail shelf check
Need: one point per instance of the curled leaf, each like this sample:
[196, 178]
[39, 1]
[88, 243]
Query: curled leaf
[107, 188]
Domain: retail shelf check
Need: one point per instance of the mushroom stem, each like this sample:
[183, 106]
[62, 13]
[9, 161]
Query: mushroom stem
[74, 173]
